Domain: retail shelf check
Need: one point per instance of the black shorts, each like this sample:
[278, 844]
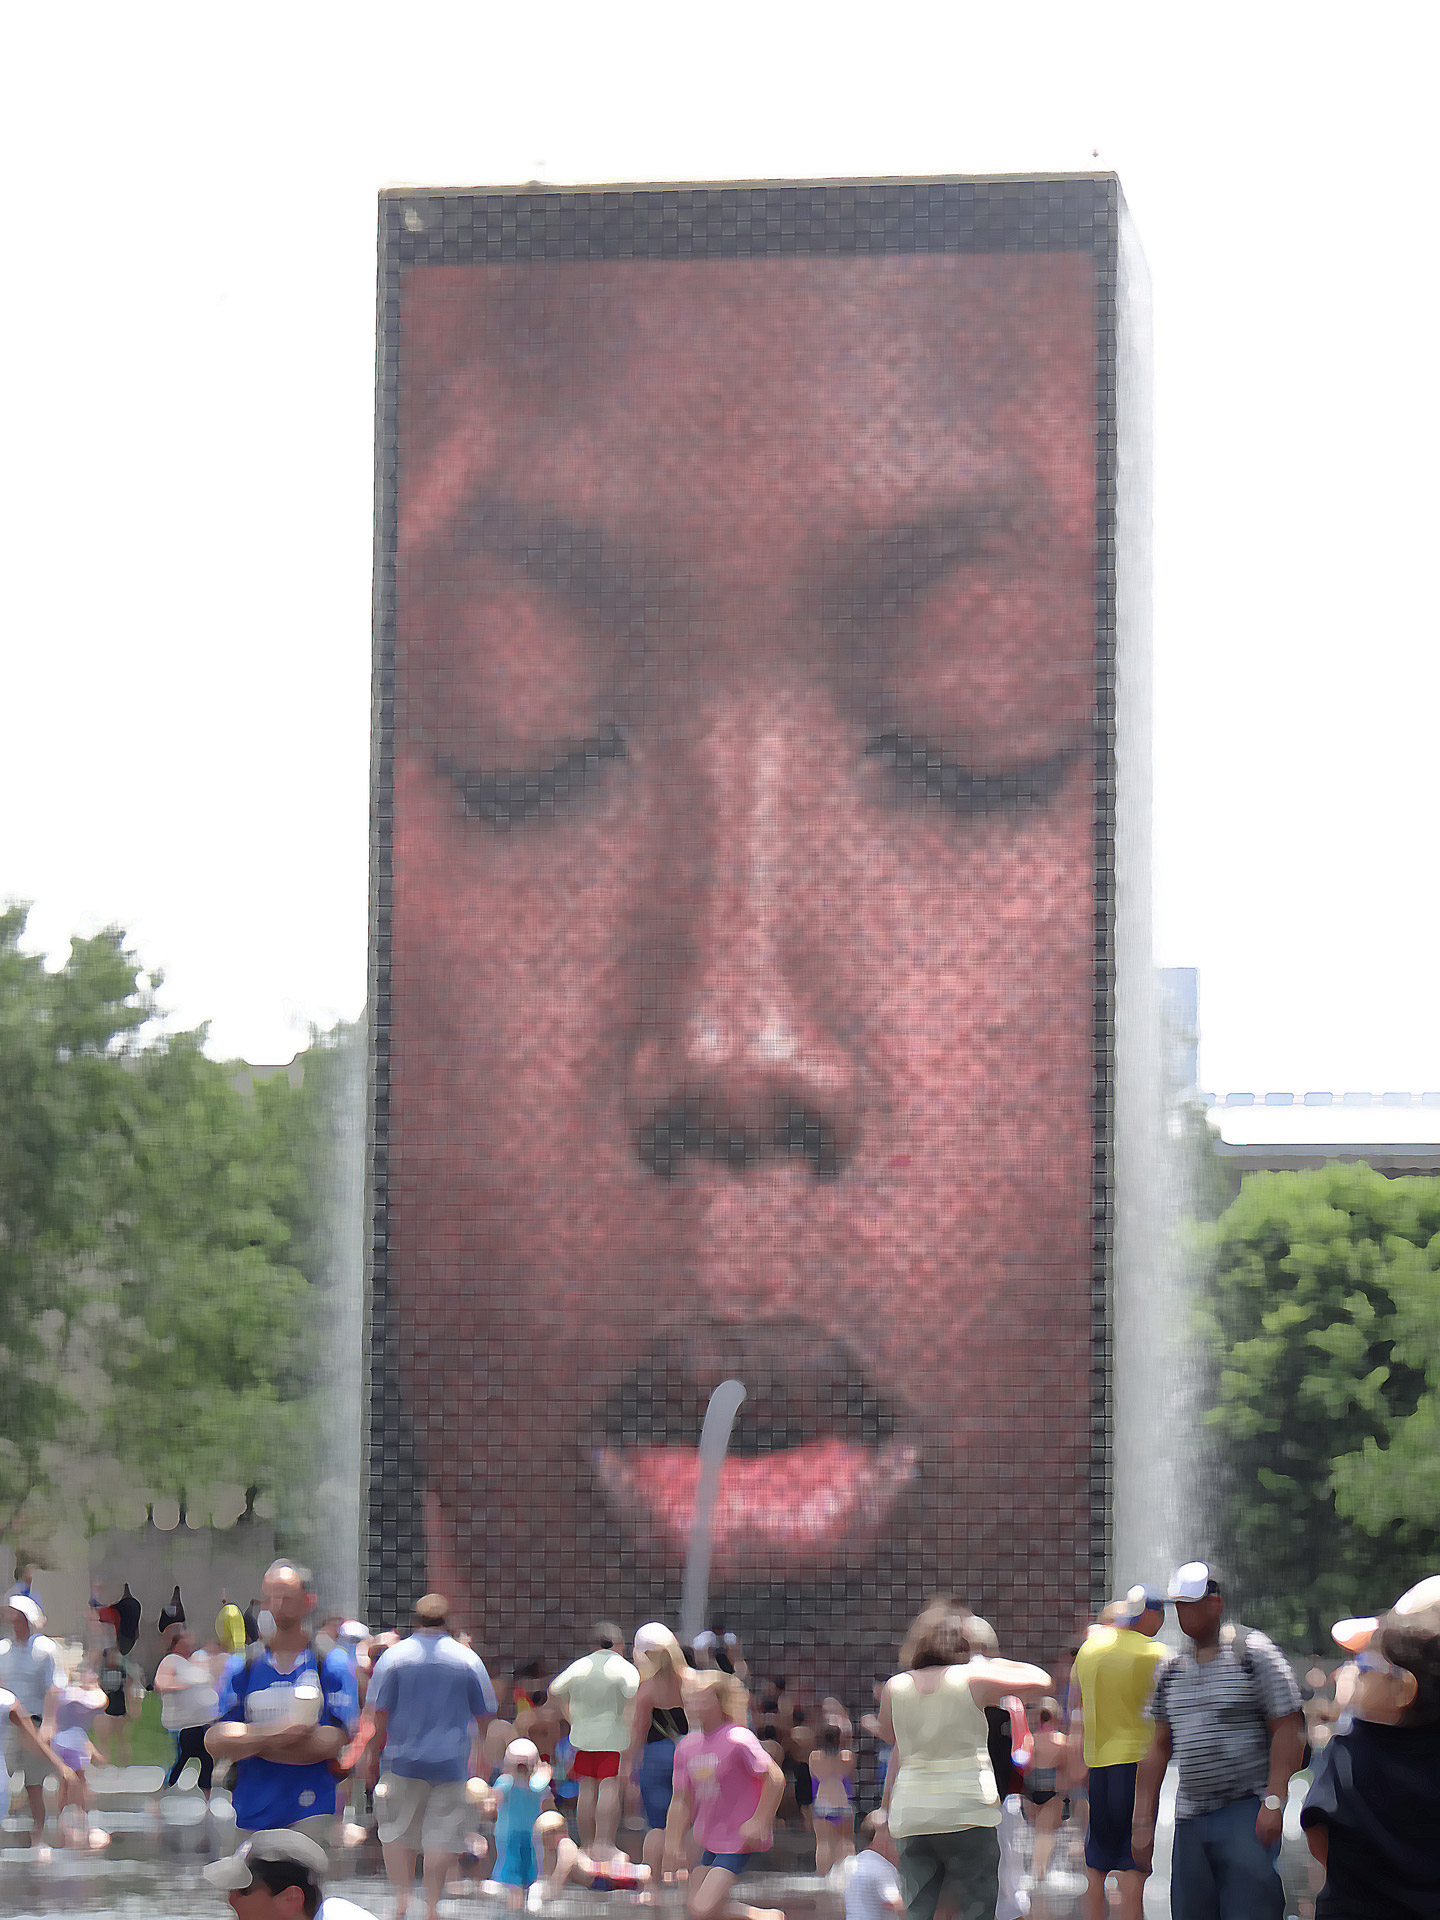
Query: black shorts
[799, 1771]
[1112, 1811]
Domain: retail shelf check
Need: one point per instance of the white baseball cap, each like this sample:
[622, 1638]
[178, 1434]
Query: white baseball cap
[279, 1843]
[22, 1604]
[703, 1641]
[1356, 1635]
[1192, 1582]
[522, 1753]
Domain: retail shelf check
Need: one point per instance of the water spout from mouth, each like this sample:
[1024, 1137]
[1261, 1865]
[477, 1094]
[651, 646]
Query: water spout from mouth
[720, 1414]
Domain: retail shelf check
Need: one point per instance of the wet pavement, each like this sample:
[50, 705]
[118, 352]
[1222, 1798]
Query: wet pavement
[152, 1870]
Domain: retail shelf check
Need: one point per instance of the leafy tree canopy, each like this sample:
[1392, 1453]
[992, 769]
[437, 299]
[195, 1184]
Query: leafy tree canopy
[162, 1230]
[1325, 1373]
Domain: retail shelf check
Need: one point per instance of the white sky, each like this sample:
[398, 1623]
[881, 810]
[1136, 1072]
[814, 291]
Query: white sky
[188, 330]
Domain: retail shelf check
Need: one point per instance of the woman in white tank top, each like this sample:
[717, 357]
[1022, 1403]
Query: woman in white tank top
[940, 1797]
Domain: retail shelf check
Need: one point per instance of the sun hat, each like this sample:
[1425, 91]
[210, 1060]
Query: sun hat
[1356, 1635]
[279, 1843]
[522, 1753]
[653, 1634]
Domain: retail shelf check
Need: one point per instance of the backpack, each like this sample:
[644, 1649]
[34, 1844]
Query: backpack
[1245, 1660]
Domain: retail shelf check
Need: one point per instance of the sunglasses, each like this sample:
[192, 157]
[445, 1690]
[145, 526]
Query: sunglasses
[1368, 1662]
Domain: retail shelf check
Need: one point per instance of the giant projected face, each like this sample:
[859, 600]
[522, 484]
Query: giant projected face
[743, 933]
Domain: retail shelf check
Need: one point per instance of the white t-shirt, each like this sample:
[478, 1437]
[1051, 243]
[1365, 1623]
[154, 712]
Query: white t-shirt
[332, 1909]
[873, 1882]
[29, 1669]
[194, 1703]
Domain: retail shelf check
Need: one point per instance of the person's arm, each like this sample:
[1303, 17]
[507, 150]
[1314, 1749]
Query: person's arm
[1148, 1776]
[991, 1680]
[677, 1825]
[1287, 1744]
[380, 1722]
[167, 1678]
[1317, 1838]
[755, 1833]
[641, 1713]
[37, 1743]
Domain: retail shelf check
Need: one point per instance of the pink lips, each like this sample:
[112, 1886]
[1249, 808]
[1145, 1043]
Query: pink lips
[798, 1507]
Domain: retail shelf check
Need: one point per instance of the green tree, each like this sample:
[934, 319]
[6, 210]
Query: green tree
[1312, 1363]
[66, 1110]
[209, 1350]
[1398, 1482]
[162, 1231]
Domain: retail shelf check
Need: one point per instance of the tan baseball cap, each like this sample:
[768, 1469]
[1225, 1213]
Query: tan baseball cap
[1355, 1635]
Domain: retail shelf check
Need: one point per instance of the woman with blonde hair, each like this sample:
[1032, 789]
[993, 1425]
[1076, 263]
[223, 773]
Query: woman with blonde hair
[657, 1721]
[941, 1800]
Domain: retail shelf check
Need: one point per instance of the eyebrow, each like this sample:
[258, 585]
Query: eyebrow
[866, 579]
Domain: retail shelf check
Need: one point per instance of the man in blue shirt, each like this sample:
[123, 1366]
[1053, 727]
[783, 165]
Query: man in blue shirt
[284, 1716]
[430, 1699]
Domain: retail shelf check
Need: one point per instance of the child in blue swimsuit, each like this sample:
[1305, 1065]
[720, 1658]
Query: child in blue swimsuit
[521, 1795]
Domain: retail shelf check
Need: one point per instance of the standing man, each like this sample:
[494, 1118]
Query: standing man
[1229, 1712]
[430, 1699]
[594, 1693]
[30, 1669]
[1115, 1671]
[284, 1715]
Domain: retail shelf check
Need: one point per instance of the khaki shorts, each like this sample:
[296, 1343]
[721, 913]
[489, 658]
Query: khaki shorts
[423, 1816]
[23, 1759]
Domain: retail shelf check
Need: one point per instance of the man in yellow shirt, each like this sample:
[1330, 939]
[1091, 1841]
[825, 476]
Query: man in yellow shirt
[1115, 1672]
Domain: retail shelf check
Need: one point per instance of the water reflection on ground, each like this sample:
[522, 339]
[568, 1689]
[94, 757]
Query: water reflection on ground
[152, 1870]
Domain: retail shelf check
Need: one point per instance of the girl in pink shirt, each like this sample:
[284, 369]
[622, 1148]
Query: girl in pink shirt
[728, 1787]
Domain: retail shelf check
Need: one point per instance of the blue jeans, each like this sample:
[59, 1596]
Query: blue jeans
[655, 1778]
[1220, 1871]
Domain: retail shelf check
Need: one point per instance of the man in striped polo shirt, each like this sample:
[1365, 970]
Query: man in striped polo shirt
[1228, 1710]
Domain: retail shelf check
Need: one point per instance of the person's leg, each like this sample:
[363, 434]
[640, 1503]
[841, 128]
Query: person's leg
[823, 1850]
[1246, 1874]
[177, 1765]
[607, 1816]
[585, 1811]
[438, 1869]
[400, 1807]
[709, 1895]
[400, 1871]
[206, 1780]
[1193, 1893]
[922, 1874]
[1047, 1825]
[971, 1862]
[35, 1800]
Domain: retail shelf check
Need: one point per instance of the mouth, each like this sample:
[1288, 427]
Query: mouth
[818, 1457]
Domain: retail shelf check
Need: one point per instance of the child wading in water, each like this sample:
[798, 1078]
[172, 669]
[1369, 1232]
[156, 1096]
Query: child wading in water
[728, 1788]
[520, 1796]
[75, 1713]
[832, 1766]
[561, 1861]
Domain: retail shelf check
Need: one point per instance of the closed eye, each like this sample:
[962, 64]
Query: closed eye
[923, 771]
[511, 796]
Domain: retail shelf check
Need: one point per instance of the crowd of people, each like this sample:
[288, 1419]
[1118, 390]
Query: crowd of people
[323, 1736]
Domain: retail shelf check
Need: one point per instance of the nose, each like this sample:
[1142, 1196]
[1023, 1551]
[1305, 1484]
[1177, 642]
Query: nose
[739, 1057]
